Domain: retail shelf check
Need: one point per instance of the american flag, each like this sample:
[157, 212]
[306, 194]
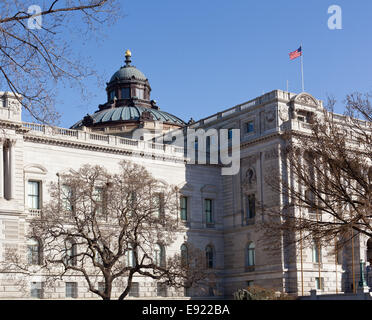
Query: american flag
[295, 54]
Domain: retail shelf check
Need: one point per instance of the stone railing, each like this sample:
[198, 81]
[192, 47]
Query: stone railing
[250, 104]
[102, 139]
[34, 213]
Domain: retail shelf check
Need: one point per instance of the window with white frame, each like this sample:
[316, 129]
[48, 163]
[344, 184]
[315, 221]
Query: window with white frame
[33, 196]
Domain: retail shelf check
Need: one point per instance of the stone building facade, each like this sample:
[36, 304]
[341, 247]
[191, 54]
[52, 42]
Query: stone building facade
[37, 153]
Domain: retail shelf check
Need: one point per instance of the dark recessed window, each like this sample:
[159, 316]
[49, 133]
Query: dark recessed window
[125, 93]
[249, 127]
[112, 95]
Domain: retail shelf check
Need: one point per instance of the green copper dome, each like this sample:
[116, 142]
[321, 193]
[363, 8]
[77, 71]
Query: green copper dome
[128, 72]
[130, 113]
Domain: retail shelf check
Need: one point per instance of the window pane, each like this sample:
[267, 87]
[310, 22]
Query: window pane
[71, 290]
[33, 195]
[134, 290]
[139, 93]
[125, 93]
[112, 95]
[249, 126]
[184, 208]
[208, 211]
[37, 290]
[250, 206]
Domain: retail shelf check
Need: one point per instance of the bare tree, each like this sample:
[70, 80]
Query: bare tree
[327, 188]
[109, 228]
[35, 51]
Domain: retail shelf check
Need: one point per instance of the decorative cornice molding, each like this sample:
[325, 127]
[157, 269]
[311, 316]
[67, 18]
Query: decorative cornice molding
[107, 149]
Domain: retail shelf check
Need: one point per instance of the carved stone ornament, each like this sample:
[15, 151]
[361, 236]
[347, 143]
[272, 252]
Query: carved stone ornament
[250, 160]
[306, 99]
[283, 114]
[14, 105]
[270, 115]
[271, 154]
[146, 116]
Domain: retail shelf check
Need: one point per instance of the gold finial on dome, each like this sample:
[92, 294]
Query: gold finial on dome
[128, 53]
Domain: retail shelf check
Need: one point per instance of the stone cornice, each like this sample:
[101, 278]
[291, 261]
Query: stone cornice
[101, 148]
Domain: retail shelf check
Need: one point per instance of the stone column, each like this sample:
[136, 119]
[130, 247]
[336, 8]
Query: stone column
[2, 185]
[12, 175]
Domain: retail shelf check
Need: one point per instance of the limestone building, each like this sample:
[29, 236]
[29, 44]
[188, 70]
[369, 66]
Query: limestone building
[220, 211]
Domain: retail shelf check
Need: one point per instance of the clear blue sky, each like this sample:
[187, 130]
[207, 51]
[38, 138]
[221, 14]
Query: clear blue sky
[205, 56]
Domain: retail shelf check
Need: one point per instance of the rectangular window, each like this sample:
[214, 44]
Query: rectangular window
[159, 199]
[250, 206]
[187, 292]
[33, 254]
[130, 259]
[161, 290]
[37, 290]
[34, 194]
[125, 93]
[66, 198]
[134, 290]
[249, 127]
[98, 200]
[71, 289]
[208, 211]
[139, 93]
[250, 283]
[316, 253]
[319, 283]
[101, 286]
[183, 208]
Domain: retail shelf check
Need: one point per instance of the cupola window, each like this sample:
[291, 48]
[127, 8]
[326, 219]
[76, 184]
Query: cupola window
[125, 93]
[139, 93]
[112, 95]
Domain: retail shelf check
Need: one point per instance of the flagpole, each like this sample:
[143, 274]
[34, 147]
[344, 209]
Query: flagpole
[302, 70]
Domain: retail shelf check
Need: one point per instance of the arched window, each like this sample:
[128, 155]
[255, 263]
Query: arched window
[250, 255]
[209, 257]
[184, 255]
[71, 252]
[33, 251]
[159, 255]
